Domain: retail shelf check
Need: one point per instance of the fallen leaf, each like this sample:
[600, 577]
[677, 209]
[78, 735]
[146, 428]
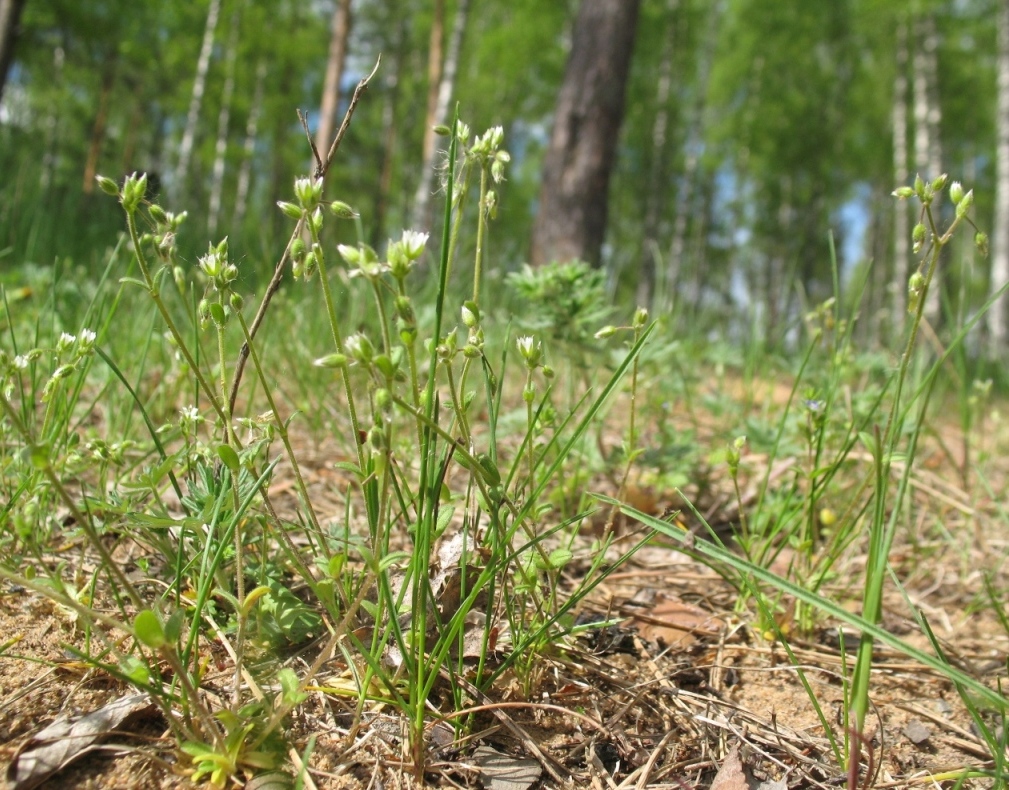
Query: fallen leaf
[500, 771]
[732, 775]
[676, 624]
[69, 738]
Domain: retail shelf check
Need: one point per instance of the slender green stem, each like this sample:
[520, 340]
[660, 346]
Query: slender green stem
[131, 224]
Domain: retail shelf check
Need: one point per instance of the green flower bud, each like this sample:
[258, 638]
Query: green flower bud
[236, 302]
[158, 214]
[965, 203]
[605, 332]
[290, 209]
[940, 183]
[383, 400]
[342, 211]
[956, 192]
[331, 361]
[981, 242]
[903, 193]
[108, 186]
[919, 187]
[298, 249]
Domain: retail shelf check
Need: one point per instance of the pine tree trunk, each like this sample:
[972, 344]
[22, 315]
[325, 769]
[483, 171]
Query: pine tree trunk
[249, 148]
[334, 73]
[446, 85]
[99, 126]
[571, 219]
[196, 101]
[901, 225]
[998, 316]
[223, 119]
[10, 17]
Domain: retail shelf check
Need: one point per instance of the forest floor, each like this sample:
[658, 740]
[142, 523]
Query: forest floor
[685, 692]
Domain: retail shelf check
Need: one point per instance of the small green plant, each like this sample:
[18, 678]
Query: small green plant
[441, 569]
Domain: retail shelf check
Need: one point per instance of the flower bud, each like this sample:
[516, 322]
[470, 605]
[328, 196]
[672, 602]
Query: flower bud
[331, 361]
[956, 192]
[341, 210]
[605, 332]
[290, 209]
[981, 242]
[939, 183]
[108, 186]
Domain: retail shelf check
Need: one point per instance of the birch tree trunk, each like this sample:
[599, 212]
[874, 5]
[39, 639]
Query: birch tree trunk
[249, 148]
[658, 175]
[334, 73]
[223, 119]
[897, 286]
[574, 198]
[10, 17]
[390, 115]
[998, 316]
[691, 160]
[927, 116]
[196, 101]
[446, 85]
[435, 56]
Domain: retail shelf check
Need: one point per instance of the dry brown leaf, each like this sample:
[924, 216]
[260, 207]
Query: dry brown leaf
[732, 775]
[500, 771]
[67, 739]
[677, 624]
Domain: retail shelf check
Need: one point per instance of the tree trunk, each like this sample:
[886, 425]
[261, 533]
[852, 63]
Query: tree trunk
[334, 73]
[446, 85]
[223, 119]
[435, 56]
[249, 148]
[691, 160]
[99, 126]
[658, 176]
[998, 316]
[52, 123]
[571, 219]
[901, 224]
[390, 115]
[10, 17]
[196, 101]
[927, 116]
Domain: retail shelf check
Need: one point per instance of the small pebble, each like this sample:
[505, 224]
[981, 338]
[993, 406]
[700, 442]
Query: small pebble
[917, 732]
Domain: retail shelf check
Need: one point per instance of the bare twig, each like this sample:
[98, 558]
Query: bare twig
[278, 274]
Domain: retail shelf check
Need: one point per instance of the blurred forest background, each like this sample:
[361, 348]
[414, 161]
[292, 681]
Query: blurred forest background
[752, 132]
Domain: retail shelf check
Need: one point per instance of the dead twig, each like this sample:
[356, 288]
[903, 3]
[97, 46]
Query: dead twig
[321, 169]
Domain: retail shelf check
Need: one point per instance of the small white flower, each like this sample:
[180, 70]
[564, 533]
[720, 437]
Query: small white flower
[66, 341]
[413, 243]
[21, 362]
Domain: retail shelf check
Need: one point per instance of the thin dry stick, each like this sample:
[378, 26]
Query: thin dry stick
[278, 274]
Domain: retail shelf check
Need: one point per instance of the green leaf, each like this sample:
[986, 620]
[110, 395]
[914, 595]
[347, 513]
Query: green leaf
[289, 684]
[229, 457]
[147, 626]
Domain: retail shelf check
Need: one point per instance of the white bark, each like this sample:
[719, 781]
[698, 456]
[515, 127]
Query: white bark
[901, 224]
[223, 119]
[656, 195]
[196, 101]
[998, 316]
[927, 117]
[691, 159]
[422, 200]
[248, 149]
